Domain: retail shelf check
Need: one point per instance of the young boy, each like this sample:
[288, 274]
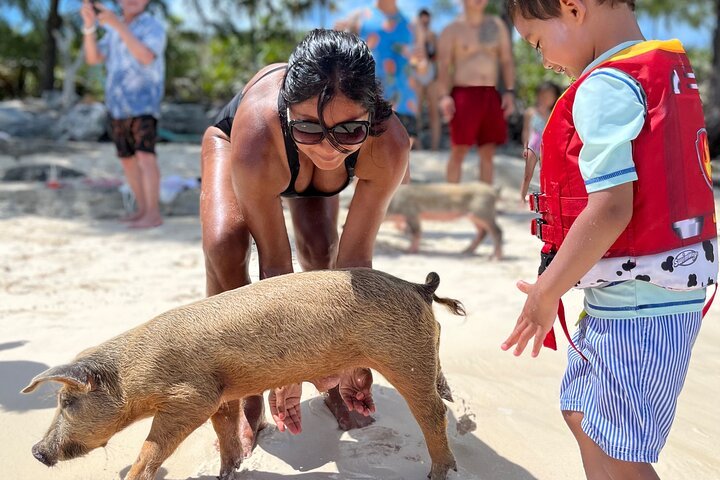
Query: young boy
[627, 214]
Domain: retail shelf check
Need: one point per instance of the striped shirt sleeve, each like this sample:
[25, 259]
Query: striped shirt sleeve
[609, 113]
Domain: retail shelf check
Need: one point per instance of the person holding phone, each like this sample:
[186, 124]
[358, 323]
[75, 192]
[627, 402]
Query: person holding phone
[133, 50]
[300, 133]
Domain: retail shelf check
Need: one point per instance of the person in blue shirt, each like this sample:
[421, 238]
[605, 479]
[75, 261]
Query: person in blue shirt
[389, 35]
[133, 50]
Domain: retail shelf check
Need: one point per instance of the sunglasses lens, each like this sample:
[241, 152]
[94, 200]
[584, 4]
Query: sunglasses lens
[350, 133]
[307, 133]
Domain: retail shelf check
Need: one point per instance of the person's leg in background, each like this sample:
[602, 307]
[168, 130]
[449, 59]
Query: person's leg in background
[144, 131]
[486, 153]
[463, 130]
[491, 132]
[122, 138]
[433, 101]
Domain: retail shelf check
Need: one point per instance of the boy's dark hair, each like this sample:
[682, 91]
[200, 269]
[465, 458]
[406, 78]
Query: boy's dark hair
[328, 62]
[547, 9]
[423, 11]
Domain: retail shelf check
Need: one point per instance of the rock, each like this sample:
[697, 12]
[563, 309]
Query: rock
[184, 118]
[78, 198]
[84, 122]
[39, 173]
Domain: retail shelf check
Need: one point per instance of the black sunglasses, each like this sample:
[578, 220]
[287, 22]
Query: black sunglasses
[312, 133]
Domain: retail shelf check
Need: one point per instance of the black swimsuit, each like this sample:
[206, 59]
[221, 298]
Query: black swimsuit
[224, 121]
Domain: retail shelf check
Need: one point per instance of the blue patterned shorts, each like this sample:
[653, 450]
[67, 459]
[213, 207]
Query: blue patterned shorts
[628, 388]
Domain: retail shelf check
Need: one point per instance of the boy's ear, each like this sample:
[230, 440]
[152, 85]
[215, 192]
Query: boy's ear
[575, 9]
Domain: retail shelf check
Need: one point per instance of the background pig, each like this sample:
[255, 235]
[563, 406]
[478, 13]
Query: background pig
[448, 201]
[182, 365]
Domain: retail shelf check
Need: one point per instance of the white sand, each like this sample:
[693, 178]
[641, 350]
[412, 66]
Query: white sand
[69, 284]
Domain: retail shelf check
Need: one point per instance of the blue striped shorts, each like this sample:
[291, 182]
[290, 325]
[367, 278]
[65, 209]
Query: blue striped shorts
[628, 388]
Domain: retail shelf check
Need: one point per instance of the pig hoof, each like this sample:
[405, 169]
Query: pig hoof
[440, 471]
[228, 475]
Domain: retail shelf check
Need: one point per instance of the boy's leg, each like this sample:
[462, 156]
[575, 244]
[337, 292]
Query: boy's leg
[597, 464]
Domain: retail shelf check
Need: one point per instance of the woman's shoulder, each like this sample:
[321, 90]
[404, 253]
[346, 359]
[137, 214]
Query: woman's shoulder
[389, 150]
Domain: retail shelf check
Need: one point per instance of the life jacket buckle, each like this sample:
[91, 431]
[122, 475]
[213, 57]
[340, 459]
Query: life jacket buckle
[535, 202]
[539, 222]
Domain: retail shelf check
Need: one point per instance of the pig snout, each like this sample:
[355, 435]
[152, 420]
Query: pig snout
[42, 455]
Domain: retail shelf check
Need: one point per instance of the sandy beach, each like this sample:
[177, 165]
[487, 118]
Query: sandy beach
[68, 284]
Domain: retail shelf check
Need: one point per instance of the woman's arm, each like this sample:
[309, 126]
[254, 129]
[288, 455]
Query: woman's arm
[257, 177]
[380, 170]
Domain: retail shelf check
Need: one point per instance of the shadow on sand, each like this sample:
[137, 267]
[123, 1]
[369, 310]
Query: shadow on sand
[392, 448]
[16, 375]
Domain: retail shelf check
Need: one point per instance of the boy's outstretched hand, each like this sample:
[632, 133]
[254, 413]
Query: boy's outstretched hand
[535, 320]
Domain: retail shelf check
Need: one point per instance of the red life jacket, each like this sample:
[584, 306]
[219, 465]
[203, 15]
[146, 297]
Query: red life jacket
[673, 202]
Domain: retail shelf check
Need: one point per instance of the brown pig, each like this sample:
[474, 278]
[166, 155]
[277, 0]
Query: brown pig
[448, 201]
[181, 366]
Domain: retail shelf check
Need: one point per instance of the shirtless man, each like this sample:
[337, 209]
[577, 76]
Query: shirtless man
[470, 51]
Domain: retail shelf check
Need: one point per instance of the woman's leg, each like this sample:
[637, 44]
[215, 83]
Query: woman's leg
[226, 244]
[316, 232]
[316, 239]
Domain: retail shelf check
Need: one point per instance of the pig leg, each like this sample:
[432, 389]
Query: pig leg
[482, 230]
[167, 431]
[226, 424]
[415, 378]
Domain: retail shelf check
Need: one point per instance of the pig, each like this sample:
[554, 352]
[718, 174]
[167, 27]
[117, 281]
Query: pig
[448, 201]
[181, 366]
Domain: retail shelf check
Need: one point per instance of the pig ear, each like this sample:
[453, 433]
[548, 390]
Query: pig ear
[72, 375]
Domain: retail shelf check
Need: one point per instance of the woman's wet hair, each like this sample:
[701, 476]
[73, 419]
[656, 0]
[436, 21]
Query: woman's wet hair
[327, 63]
[547, 9]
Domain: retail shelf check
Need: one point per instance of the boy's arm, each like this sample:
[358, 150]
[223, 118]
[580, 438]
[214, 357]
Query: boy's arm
[607, 214]
[608, 169]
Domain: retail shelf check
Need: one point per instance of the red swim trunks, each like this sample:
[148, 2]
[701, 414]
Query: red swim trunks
[478, 118]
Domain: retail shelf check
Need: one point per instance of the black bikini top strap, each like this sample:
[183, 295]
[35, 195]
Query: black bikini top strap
[290, 147]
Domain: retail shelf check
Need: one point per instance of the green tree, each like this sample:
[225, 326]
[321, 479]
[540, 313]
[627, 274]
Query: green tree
[263, 20]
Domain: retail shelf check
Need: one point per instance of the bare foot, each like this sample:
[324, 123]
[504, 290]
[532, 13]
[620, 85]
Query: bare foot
[252, 420]
[285, 407]
[147, 221]
[131, 217]
[351, 402]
